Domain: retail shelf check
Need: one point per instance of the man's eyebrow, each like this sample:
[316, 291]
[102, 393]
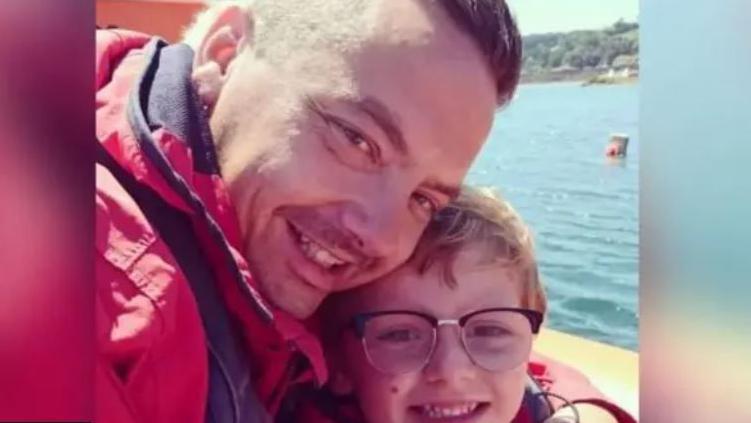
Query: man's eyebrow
[384, 118]
[450, 191]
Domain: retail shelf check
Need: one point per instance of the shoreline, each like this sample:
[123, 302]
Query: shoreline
[582, 80]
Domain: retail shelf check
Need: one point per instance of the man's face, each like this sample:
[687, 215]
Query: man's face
[336, 158]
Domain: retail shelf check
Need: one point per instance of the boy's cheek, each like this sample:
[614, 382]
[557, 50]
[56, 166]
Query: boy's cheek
[509, 391]
[370, 385]
[384, 398]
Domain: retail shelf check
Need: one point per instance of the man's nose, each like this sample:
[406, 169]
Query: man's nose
[450, 362]
[380, 225]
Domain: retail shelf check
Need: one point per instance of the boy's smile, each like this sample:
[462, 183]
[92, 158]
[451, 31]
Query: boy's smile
[454, 411]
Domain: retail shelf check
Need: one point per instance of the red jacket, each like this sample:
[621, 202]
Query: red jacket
[158, 352]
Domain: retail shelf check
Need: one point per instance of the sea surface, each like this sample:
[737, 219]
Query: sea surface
[546, 156]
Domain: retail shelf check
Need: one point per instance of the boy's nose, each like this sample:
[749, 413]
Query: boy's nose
[450, 362]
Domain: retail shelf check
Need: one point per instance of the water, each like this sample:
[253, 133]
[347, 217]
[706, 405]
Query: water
[546, 155]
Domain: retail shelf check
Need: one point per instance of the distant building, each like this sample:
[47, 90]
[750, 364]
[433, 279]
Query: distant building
[624, 66]
[564, 69]
[625, 61]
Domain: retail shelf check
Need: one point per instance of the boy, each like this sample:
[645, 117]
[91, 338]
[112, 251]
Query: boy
[448, 336]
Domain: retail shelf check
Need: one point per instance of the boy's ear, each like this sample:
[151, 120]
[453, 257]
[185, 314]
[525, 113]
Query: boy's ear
[339, 382]
[230, 30]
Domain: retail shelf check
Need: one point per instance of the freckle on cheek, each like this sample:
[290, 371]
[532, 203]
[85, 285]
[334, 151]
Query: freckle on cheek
[394, 390]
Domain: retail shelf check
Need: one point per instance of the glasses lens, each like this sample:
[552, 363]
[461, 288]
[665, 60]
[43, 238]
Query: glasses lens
[498, 340]
[398, 343]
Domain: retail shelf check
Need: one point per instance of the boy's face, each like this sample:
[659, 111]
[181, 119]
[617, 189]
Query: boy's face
[450, 383]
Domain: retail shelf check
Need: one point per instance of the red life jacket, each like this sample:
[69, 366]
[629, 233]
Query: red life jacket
[565, 382]
[182, 332]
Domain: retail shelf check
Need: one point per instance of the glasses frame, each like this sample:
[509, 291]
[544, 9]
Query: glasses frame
[359, 321]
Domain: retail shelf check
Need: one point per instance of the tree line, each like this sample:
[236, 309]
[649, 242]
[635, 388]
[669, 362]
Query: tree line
[580, 49]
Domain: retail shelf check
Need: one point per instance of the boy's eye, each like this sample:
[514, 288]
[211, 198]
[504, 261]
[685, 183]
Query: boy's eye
[489, 331]
[399, 336]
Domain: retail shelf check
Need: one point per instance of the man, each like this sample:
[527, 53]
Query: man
[294, 149]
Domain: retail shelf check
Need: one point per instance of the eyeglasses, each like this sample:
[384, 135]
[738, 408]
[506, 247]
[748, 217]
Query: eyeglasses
[401, 341]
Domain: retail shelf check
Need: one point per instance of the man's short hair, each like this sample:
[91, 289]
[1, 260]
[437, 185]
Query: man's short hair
[494, 31]
[489, 24]
[480, 218]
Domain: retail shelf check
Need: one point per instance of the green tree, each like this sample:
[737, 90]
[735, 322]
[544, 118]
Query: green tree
[543, 52]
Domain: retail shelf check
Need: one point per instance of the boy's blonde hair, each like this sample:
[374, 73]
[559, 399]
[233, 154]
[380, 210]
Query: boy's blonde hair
[480, 218]
[477, 218]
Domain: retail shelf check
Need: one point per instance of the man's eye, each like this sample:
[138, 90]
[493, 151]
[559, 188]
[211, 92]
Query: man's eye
[356, 138]
[425, 202]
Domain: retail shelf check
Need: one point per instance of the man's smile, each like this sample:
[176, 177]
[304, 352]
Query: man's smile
[317, 252]
[326, 254]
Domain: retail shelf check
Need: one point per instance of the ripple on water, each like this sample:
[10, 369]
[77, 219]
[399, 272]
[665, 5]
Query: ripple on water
[545, 155]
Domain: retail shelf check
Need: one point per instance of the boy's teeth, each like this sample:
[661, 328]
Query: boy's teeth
[317, 253]
[439, 412]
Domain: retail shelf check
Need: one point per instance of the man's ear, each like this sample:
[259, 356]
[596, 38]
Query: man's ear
[224, 39]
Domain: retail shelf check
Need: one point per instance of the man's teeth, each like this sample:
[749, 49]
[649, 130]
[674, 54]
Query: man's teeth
[317, 253]
[440, 412]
